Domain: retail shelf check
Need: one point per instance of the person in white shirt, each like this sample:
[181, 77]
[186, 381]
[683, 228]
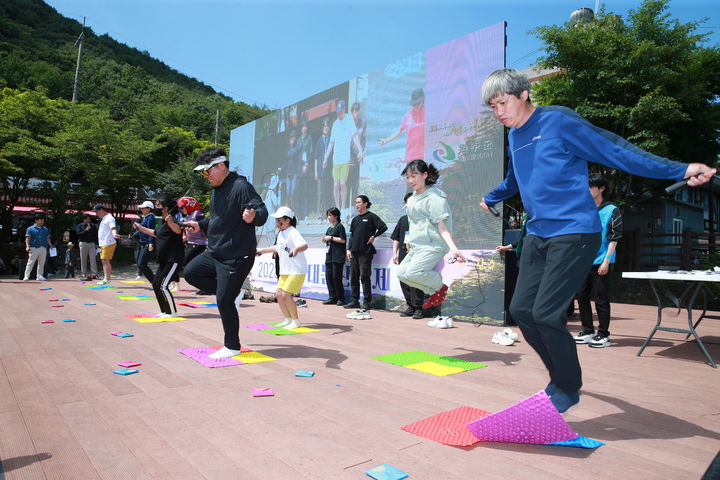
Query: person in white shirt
[107, 240]
[290, 248]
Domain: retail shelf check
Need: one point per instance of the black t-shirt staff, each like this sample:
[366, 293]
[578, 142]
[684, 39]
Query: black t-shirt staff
[364, 229]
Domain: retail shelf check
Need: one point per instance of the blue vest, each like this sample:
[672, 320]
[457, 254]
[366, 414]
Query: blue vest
[605, 213]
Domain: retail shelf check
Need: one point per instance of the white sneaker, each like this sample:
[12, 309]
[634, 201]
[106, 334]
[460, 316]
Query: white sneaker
[505, 340]
[441, 322]
[26, 279]
[40, 278]
[283, 324]
[294, 323]
[583, 337]
[359, 315]
[166, 315]
[172, 286]
[139, 277]
[224, 352]
[103, 282]
[510, 334]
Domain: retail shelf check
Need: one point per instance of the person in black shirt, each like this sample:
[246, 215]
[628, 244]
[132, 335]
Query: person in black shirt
[334, 238]
[413, 296]
[87, 243]
[364, 229]
[235, 210]
[170, 252]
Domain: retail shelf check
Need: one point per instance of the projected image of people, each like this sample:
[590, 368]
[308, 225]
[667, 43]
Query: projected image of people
[357, 151]
[413, 124]
[293, 169]
[323, 166]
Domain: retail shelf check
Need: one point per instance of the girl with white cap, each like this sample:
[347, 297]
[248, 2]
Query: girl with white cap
[290, 248]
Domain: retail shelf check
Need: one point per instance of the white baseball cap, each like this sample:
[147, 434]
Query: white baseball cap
[283, 212]
[146, 204]
[214, 161]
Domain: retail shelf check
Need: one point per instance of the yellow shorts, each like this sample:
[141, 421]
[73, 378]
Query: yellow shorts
[291, 283]
[341, 171]
[106, 252]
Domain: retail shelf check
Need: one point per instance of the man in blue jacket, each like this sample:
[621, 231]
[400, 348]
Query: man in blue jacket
[549, 148]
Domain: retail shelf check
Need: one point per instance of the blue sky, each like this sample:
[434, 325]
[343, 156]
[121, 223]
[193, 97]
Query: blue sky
[276, 52]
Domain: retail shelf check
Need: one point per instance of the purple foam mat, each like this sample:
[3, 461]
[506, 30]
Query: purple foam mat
[533, 420]
[200, 355]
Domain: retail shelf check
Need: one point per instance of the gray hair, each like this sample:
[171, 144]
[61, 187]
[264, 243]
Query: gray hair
[504, 80]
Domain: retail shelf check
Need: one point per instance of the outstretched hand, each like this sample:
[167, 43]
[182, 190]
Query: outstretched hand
[699, 173]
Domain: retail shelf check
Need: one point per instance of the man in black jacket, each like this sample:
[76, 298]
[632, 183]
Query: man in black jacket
[235, 210]
[87, 240]
[364, 229]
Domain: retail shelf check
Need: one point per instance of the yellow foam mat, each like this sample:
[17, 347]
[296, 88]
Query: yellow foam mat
[434, 368]
[253, 357]
[303, 330]
[133, 281]
[158, 320]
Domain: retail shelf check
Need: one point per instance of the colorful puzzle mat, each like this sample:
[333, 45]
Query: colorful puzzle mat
[449, 428]
[198, 304]
[533, 420]
[134, 297]
[153, 319]
[270, 328]
[429, 362]
[99, 287]
[246, 356]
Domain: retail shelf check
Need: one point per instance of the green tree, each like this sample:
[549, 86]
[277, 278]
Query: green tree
[648, 78]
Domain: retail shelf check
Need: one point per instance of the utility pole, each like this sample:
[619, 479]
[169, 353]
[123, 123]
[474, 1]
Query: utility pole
[79, 44]
[217, 125]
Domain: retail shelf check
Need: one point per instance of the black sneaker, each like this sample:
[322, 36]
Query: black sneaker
[418, 314]
[408, 312]
[354, 304]
[300, 303]
[330, 301]
[340, 303]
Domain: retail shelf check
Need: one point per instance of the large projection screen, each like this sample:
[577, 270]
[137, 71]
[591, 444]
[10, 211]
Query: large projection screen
[449, 126]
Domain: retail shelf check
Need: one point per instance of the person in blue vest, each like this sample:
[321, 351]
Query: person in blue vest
[597, 282]
[549, 149]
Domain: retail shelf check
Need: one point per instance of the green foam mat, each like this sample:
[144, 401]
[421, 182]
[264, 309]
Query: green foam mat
[408, 358]
[280, 331]
[457, 363]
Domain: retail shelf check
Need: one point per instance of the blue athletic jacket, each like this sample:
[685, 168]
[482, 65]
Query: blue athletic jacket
[548, 166]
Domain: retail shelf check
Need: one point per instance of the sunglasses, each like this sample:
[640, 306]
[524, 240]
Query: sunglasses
[206, 173]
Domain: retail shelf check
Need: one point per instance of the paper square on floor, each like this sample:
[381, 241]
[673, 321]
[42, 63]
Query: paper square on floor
[449, 428]
[159, 319]
[57, 306]
[386, 472]
[407, 358]
[126, 371]
[200, 355]
[304, 373]
[434, 368]
[48, 321]
[253, 357]
[129, 364]
[89, 303]
[69, 320]
[262, 392]
[533, 420]
[124, 335]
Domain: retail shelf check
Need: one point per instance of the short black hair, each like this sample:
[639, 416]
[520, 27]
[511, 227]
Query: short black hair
[407, 195]
[364, 199]
[209, 154]
[39, 216]
[420, 166]
[166, 201]
[334, 211]
[87, 215]
[599, 180]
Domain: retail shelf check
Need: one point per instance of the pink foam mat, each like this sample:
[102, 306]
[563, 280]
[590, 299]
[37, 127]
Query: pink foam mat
[259, 326]
[200, 355]
[449, 428]
[533, 420]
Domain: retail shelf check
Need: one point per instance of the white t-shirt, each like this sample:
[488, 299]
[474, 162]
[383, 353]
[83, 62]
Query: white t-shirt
[105, 234]
[342, 133]
[286, 241]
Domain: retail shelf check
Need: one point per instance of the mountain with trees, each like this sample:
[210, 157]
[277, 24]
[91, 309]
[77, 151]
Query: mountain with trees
[137, 124]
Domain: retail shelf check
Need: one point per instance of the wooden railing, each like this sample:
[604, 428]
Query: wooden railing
[688, 250]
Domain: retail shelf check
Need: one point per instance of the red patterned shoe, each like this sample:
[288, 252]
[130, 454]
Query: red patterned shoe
[436, 298]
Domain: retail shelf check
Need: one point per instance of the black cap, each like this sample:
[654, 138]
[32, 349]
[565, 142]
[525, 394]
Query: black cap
[99, 207]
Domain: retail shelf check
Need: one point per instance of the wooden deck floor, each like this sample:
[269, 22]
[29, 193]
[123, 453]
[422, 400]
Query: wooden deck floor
[65, 415]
